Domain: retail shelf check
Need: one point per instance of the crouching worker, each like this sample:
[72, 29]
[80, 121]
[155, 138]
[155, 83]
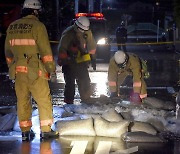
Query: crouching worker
[121, 65]
[30, 61]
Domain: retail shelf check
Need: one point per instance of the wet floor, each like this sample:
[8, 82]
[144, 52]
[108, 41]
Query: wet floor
[85, 145]
[164, 70]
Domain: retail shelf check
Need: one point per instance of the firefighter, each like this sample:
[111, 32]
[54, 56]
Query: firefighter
[121, 37]
[77, 48]
[121, 65]
[30, 61]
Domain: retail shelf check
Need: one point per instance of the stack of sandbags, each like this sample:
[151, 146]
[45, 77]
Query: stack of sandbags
[109, 124]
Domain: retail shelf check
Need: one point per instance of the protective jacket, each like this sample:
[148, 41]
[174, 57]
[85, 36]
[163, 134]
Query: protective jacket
[27, 48]
[30, 60]
[116, 75]
[75, 47]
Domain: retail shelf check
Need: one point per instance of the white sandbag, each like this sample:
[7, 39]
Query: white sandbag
[140, 137]
[110, 129]
[75, 117]
[137, 126]
[76, 127]
[112, 116]
[7, 121]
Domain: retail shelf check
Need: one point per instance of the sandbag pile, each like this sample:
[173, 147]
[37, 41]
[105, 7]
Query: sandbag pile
[109, 124]
[104, 118]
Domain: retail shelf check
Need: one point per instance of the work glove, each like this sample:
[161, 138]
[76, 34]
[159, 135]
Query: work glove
[53, 77]
[113, 94]
[135, 98]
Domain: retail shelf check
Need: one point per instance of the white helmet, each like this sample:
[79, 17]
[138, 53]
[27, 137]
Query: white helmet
[83, 23]
[120, 57]
[32, 4]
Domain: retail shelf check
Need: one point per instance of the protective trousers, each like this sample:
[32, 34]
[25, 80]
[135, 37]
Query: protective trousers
[79, 73]
[39, 89]
[122, 76]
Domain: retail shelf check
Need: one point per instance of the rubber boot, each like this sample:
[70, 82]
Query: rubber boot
[48, 135]
[28, 135]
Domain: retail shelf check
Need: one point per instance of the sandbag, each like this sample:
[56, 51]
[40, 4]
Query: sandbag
[157, 124]
[112, 116]
[7, 121]
[140, 137]
[137, 126]
[110, 129]
[158, 103]
[76, 127]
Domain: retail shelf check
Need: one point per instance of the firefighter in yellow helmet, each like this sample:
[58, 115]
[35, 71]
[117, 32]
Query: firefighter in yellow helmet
[30, 61]
[121, 65]
[76, 48]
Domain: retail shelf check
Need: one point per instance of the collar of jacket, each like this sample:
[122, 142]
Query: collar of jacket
[31, 17]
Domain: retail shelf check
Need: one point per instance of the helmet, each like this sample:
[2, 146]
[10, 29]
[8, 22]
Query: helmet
[32, 4]
[83, 23]
[120, 57]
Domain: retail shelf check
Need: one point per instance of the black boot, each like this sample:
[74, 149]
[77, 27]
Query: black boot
[28, 135]
[48, 135]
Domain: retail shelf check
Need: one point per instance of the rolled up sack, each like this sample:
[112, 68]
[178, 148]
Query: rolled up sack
[141, 137]
[76, 127]
[110, 129]
[137, 126]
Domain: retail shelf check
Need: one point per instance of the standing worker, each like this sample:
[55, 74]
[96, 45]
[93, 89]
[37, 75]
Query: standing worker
[121, 65]
[77, 48]
[30, 61]
[121, 37]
